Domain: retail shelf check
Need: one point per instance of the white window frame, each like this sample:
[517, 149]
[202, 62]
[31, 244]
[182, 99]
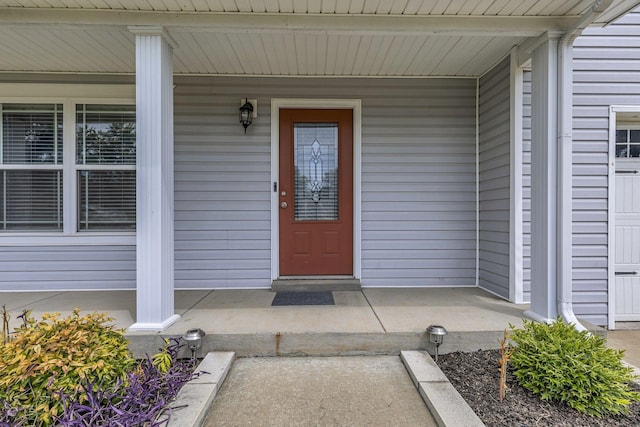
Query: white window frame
[69, 95]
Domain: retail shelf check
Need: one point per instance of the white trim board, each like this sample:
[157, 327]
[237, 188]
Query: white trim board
[81, 93]
[377, 23]
[516, 291]
[477, 165]
[356, 106]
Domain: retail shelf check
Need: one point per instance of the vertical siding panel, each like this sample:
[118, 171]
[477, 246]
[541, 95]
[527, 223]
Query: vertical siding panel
[494, 180]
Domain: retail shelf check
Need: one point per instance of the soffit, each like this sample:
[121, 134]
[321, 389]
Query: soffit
[394, 7]
[275, 53]
[406, 38]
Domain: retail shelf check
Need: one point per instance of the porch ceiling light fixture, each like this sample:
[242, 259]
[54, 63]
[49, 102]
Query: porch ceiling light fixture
[436, 336]
[193, 337]
[246, 114]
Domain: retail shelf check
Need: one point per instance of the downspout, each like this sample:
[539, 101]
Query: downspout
[564, 297]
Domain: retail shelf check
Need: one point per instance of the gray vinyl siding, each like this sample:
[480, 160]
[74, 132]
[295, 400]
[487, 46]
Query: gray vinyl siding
[67, 267]
[494, 180]
[418, 179]
[606, 70]
[418, 188]
[222, 185]
[418, 184]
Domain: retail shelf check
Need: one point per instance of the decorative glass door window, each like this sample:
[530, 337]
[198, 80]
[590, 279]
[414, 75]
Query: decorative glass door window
[315, 171]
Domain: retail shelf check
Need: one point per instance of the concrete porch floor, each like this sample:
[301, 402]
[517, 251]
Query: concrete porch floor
[371, 321]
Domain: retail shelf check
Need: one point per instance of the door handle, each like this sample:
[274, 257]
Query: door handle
[283, 205]
[626, 273]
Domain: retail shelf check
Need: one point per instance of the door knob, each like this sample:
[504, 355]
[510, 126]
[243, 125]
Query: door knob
[283, 205]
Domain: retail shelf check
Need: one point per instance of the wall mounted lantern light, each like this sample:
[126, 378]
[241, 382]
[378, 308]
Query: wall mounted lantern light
[436, 336]
[246, 114]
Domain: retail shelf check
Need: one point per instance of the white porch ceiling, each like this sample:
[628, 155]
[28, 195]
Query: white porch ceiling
[400, 38]
[279, 53]
[384, 7]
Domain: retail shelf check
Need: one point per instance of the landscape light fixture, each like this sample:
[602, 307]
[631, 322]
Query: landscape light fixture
[246, 114]
[436, 336]
[193, 337]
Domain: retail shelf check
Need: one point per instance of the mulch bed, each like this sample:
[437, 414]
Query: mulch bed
[475, 376]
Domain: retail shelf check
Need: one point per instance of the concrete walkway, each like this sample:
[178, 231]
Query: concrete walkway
[626, 337]
[316, 391]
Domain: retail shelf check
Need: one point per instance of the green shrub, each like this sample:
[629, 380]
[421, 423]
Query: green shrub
[43, 359]
[558, 362]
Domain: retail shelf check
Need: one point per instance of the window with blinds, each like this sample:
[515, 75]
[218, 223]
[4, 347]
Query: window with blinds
[105, 167]
[31, 147]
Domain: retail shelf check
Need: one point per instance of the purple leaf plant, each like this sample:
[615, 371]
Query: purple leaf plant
[144, 399]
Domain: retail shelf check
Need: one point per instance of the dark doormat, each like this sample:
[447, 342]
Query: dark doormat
[303, 298]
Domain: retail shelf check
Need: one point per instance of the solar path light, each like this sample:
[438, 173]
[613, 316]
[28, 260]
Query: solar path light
[436, 336]
[193, 337]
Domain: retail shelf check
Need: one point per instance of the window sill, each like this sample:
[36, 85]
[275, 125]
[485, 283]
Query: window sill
[61, 239]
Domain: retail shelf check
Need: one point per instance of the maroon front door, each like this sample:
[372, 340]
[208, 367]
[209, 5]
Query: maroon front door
[316, 192]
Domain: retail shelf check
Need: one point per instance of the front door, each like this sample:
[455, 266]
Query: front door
[315, 195]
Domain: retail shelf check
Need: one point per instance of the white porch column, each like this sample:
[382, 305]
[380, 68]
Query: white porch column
[154, 180]
[545, 184]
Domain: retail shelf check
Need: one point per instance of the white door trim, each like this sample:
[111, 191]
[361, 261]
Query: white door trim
[356, 106]
[611, 251]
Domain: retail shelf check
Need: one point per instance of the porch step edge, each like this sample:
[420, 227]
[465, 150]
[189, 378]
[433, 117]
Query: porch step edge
[268, 344]
[315, 285]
